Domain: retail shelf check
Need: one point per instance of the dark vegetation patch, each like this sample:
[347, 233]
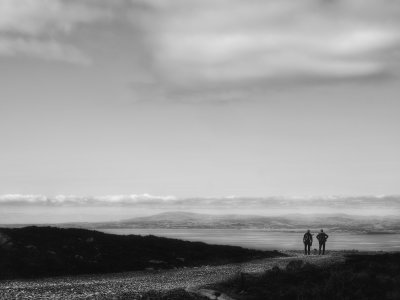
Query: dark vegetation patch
[360, 277]
[177, 294]
[48, 251]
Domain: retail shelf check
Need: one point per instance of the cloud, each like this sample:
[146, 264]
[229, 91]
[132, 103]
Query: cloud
[42, 17]
[61, 200]
[35, 27]
[361, 205]
[47, 50]
[215, 50]
[219, 46]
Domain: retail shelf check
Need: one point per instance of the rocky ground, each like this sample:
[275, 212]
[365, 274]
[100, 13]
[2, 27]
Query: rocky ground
[131, 285]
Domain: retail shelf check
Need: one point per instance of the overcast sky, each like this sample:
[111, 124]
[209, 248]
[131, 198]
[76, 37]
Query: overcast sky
[200, 97]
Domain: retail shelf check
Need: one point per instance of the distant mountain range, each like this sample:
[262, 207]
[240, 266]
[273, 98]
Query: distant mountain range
[292, 222]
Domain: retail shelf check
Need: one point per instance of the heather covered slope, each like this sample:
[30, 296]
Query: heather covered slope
[47, 251]
[175, 284]
[361, 276]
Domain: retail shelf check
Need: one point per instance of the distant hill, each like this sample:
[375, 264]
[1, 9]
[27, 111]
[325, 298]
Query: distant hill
[293, 222]
[47, 251]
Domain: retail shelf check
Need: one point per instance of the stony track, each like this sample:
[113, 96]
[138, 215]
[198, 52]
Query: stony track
[119, 285]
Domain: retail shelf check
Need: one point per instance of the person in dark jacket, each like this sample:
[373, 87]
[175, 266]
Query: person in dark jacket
[307, 240]
[322, 237]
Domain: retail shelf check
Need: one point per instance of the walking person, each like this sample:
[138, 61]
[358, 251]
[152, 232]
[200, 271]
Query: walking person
[322, 238]
[307, 240]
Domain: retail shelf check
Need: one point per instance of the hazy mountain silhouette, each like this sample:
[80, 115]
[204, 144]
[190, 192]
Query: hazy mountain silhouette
[293, 222]
[290, 222]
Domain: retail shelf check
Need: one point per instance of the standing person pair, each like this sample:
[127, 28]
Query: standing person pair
[322, 237]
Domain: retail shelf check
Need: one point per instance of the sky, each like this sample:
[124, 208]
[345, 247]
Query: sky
[199, 98]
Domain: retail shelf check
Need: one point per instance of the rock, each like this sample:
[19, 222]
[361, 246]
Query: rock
[31, 247]
[156, 262]
[294, 265]
[5, 241]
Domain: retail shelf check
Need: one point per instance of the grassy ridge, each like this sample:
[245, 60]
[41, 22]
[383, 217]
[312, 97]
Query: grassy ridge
[48, 251]
[359, 277]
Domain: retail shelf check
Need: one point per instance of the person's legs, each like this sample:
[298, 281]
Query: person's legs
[320, 245]
[323, 248]
[307, 248]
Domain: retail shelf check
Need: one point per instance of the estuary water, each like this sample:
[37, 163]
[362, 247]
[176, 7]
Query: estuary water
[259, 239]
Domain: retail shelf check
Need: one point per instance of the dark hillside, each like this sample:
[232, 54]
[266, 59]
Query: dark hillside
[361, 276]
[48, 251]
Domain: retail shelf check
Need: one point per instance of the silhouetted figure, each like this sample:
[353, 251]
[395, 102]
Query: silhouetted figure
[322, 237]
[307, 240]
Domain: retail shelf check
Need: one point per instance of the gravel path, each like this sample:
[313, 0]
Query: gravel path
[113, 286]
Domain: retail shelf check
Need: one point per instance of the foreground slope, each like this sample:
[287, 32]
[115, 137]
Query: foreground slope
[162, 284]
[361, 276]
[47, 251]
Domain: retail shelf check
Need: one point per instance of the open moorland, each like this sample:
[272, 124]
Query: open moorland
[53, 263]
[33, 252]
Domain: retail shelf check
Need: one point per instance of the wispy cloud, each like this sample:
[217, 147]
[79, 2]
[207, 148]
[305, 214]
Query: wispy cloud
[219, 46]
[146, 199]
[379, 205]
[34, 27]
[43, 17]
[217, 50]
[47, 50]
